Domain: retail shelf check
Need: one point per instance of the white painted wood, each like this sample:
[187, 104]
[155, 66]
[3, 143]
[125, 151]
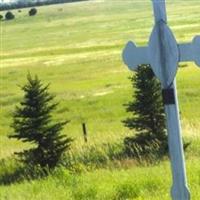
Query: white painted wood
[168, 57]
[159, 10]
[190, 51]
[179, 190]
[134, 56]
[163, 53]
[167, 43]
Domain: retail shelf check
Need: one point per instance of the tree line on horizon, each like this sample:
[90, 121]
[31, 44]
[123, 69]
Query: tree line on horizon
[10, 16]
[25, 4]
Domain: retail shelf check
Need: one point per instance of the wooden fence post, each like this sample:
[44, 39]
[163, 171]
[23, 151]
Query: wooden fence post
[84, 132]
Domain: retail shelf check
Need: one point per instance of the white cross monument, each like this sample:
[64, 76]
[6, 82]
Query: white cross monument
[163, 54]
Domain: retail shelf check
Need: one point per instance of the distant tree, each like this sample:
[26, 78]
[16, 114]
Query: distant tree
[1, 17]
[33, 123]
[32, 12]
[9, 16]
[148, 118]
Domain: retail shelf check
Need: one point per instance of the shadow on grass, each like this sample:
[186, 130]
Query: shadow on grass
[11, 171]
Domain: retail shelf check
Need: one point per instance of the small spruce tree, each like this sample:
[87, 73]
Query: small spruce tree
[32, 122]
[148, 118]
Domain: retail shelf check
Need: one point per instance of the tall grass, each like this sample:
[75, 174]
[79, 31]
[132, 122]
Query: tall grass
[138, 183]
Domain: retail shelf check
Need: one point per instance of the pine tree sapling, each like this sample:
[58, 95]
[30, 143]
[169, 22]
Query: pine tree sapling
[32, 122]
[148, 118]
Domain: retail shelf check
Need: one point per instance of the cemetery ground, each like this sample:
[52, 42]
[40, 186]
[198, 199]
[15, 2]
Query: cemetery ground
[77, 48]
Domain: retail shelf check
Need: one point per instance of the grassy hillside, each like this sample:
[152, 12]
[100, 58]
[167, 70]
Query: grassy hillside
[77, 48]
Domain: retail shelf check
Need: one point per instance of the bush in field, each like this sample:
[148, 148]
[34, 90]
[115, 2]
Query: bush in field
[32, 122]
[32, 12]
[1, 17]
[148, 118]
[9, 16]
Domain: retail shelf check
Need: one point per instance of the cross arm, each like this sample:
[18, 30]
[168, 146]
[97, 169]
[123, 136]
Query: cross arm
[190, 51]
[134, 56]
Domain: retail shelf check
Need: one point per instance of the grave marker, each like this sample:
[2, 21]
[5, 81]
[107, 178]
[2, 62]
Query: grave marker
[163, 54]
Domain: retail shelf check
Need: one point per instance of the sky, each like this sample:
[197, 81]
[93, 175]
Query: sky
[7, 1]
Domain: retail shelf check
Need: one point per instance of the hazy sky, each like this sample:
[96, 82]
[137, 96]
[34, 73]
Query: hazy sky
[7, 1]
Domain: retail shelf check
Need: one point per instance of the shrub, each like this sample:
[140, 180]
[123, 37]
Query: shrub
[9, 16]
[1, 17]
[32, 12]
[32, 122]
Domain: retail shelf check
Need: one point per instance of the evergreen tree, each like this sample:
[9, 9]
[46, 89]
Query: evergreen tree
[9, 16]
[148, 118]
[32, 12]
[32, 122]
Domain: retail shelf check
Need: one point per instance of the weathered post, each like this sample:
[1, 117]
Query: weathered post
[163, 54]
[84, 132]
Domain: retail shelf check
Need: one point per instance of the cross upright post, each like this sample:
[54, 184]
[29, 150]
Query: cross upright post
[179, 190]
[163, 54]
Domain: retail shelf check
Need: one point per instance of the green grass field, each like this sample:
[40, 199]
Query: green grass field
[77, 48]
